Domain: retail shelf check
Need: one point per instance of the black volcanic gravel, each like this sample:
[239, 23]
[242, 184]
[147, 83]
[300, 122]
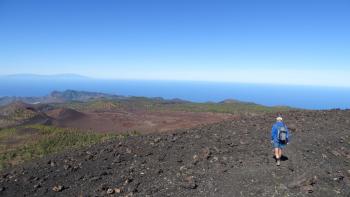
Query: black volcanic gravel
[231, 158]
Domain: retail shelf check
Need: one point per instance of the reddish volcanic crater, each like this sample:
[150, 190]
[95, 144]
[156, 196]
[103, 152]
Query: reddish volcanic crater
[141, 121]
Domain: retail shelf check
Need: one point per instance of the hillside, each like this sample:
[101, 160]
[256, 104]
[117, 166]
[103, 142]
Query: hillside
[231, 158]
[94, 100]
[18, 112]
[23, 126]
[112, 113]
[72, 95]
[60, 97]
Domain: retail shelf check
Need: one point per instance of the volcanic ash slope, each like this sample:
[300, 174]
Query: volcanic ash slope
[232, 158]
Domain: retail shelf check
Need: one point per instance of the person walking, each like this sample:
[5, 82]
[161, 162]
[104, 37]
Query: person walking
[279, 138]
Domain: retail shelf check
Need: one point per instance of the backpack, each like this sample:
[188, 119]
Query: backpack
[282, 134]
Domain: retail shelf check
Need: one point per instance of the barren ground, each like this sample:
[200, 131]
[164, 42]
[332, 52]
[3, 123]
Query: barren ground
[231, 158]
[141, 121]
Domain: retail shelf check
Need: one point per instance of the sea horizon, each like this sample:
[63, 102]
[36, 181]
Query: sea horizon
[297, 96]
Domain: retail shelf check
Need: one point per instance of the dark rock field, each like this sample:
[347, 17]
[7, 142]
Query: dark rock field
[231, 158]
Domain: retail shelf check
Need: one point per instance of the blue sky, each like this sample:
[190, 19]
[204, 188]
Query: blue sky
[280, 42]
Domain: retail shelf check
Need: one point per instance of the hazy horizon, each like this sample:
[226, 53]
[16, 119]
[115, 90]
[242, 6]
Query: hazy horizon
[308, 97]
[265, 42]
[74, 75]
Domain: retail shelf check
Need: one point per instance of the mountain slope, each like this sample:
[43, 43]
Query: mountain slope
[61, 97]
[73, 95]
[232, 158]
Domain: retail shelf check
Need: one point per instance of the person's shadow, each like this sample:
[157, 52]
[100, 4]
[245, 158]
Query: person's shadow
[283, 158]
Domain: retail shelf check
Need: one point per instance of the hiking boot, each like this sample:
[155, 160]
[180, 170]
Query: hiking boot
[278, 163]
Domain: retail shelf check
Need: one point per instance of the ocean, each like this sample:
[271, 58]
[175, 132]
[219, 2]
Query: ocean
[307, 97]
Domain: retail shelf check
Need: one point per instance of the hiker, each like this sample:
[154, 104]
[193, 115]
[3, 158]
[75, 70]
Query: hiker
[279, 138]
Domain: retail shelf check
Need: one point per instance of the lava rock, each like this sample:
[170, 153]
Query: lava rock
[58, 188]
[189, 183]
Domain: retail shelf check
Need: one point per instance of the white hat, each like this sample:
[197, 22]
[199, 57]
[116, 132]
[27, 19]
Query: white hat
[279, 118]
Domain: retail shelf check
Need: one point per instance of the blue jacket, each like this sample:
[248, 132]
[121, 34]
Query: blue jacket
[274, 131]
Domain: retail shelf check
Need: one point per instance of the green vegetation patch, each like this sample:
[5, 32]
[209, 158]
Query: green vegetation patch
[224, 107]
[17, 146]
[149, 104]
